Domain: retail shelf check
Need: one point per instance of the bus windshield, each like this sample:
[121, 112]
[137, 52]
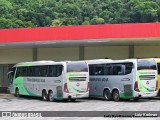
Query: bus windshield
[146, 64]
[77, 67]
[158, 68]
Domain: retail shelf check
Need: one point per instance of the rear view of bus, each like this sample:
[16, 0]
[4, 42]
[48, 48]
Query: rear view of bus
[146, 83]
[158, 69]
[77, 80]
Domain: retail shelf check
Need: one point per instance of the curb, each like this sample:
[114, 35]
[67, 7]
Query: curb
[6, 95]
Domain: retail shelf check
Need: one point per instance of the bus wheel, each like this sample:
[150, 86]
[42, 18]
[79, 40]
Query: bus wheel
[50, 96]
[116, 96]
[107, 95]
[44, 95]
[17, 92]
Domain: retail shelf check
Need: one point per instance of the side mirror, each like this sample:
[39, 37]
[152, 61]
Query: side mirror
[9, 74]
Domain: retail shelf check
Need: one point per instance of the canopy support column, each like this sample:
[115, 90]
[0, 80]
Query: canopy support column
[81, 53]
[131, 51]
[35, 56]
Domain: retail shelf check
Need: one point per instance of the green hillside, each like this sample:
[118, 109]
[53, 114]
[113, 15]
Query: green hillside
[40, 13]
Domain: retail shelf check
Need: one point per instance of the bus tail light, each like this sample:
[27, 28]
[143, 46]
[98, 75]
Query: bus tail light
[136, 86]
[88, 87]
[156, 85]
[66, 88]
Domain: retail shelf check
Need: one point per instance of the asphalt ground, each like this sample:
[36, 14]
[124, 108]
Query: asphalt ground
[8, 102]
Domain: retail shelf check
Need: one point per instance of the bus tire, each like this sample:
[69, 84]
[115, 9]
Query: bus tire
[50, 96]
[44, 95]
[107, 95]
[116, 96]
[17, 92]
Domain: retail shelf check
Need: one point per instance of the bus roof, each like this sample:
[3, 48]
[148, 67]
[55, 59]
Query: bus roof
[107, 61]
[34, 63]
[157, 60]
[101, 61]
[97, 61]
[44, 62]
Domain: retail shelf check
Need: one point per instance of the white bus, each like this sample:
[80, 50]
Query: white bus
[126, 79]
[50, 80]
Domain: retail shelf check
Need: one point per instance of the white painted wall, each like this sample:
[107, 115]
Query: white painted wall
[146, 51]
[112, 52]
[58, 54]
[8, 56]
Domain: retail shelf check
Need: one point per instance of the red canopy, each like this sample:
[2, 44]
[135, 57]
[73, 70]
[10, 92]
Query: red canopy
[86, 32]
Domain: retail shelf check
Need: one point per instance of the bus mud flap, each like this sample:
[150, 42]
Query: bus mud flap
[128, 90]
[59, 92]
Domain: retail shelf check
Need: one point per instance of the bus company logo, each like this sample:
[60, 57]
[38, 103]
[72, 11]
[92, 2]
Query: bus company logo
[77, 84]
[6, 114]
[21, 114]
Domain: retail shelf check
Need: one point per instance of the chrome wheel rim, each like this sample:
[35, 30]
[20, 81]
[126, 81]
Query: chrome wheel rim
[51, 96]
[106, 95]
[116, 96]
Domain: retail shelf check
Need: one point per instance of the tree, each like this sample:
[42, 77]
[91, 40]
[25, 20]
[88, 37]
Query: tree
[40, 13]
[5, 23]
[57, 22]
[5, 8]
[97, 20]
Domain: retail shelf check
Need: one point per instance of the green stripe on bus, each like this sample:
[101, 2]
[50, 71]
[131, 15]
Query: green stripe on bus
[141, 87]
[21, 65]
[70, 87]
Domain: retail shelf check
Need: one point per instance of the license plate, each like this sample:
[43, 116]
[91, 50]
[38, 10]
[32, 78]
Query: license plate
[77, 95]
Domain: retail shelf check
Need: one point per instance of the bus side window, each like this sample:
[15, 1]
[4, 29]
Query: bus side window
[128, 68]
[118, 70]
[23, 71]
[31, 71]
[99, 70]
[43, 71]
[108, 69]
[18, 72]
[91, 70]
[36, 71]
[52, 71]
[59, 70]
